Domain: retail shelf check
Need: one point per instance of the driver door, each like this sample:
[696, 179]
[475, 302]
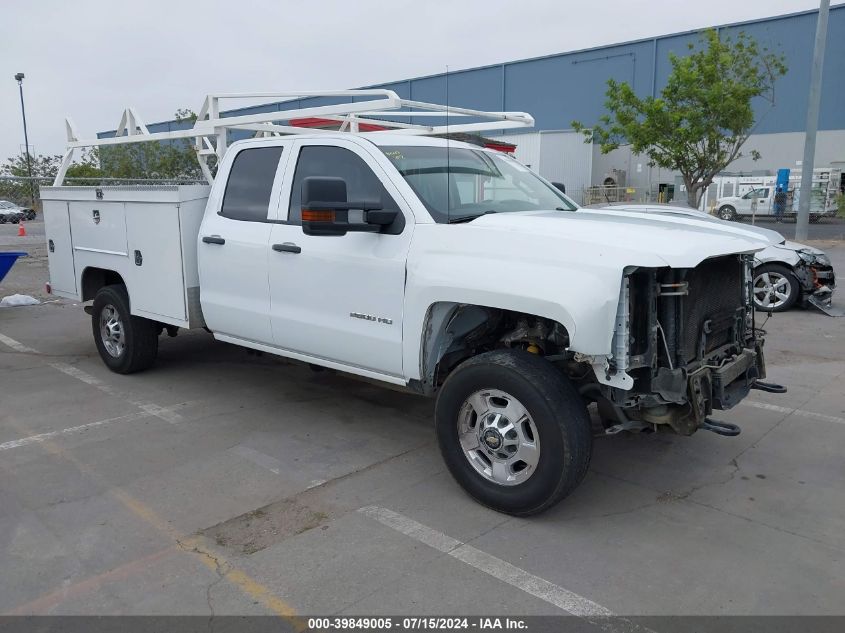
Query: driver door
[340, 298]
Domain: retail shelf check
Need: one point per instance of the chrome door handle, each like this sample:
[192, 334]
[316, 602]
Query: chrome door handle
[287, 247]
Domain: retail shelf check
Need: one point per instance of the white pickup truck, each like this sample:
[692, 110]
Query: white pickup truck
[443, 267]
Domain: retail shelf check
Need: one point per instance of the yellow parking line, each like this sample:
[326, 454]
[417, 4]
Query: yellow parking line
[43, 604]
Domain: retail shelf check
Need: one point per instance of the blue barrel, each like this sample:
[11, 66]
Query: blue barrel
[7, 260]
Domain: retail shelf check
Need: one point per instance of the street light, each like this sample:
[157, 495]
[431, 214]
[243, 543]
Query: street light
[19, 78]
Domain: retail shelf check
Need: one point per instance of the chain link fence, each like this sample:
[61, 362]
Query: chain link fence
[600, 194]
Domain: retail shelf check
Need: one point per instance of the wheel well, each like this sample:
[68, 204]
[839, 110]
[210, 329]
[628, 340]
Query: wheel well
[454, 332]
[95, 278]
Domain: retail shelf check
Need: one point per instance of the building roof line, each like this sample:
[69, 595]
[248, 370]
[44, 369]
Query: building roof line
[603, 47]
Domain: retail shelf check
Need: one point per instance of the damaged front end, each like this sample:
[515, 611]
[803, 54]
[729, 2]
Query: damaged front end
[684, 345]
[818, 281]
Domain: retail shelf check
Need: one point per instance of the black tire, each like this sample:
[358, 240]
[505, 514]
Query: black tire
[727, 212]
[793, 291]
[557, 411]
[140, 336]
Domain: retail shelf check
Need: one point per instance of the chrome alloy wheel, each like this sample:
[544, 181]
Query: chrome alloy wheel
[771, 290]
[498, 437]
[112, 331]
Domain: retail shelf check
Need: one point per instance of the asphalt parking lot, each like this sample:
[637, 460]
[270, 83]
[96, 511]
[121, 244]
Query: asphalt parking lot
[226, 483]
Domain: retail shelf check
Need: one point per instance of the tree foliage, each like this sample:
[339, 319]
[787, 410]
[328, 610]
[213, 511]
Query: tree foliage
[702, 118]
[170, 160]
[165, 160]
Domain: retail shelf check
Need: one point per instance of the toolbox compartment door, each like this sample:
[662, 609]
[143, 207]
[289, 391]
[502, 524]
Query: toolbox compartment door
[155, 260]
[59, 248]
[99, 227]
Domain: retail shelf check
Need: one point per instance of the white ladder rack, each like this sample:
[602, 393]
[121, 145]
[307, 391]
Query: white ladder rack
[210, 129]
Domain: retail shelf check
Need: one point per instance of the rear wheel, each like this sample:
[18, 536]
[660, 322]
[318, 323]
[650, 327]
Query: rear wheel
[727, 212]
[126, 343]
[513, 431]
[776, 288]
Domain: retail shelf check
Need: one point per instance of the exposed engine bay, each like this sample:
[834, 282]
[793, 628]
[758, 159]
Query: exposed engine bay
[684, 339]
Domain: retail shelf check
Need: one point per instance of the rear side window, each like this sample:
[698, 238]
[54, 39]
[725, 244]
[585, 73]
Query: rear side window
[362, 185]
[247, 195]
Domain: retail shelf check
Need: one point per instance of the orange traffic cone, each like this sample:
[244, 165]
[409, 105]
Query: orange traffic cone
[21, 230]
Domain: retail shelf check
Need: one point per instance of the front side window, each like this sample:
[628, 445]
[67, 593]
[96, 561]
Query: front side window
[460, 184]
[362, 185]
[250, 183]
[756, 193]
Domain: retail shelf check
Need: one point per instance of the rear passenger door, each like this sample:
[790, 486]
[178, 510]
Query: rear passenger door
[233, 246]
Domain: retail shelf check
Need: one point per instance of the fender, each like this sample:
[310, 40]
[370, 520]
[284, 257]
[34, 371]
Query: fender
[581, 297]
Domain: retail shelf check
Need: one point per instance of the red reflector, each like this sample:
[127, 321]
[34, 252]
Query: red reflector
[312, 215]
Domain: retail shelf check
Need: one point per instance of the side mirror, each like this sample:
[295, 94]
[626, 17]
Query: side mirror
[325, 209]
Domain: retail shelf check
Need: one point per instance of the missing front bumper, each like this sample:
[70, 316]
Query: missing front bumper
[709, 388]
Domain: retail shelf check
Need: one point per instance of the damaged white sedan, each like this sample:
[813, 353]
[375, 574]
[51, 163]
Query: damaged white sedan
[786, 273]
[789, 273]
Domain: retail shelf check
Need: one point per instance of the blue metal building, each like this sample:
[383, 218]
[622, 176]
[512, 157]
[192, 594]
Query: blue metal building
[557, 89]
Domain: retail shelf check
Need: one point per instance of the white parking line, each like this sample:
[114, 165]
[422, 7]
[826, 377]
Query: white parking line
[85, 377]
[18, 347]
[556, 595]
[258, 458]
[149, 407]
[43, 437]
[165, 413]
[799, 412]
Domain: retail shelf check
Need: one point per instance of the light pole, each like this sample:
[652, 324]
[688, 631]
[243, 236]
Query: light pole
[813, 102]
[19, 78]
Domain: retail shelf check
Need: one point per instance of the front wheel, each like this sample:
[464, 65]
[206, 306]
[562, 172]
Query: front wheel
[126, 343]
[513, 431]
[776, 288]
[727, 212]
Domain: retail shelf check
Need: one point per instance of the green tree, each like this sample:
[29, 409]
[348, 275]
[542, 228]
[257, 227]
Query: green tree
[154, 160]
[165, 160]
[42, 166]
[702, 118]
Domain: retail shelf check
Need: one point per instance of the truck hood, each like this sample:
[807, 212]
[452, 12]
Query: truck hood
[691, 217]
[642, 240]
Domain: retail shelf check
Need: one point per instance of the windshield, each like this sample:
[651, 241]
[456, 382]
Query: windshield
[460, 184]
